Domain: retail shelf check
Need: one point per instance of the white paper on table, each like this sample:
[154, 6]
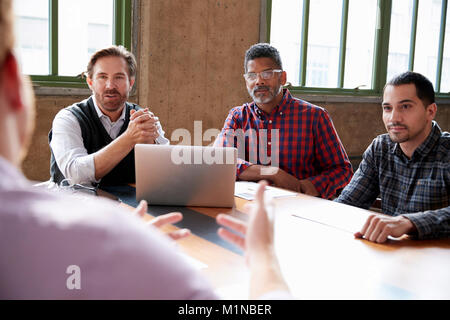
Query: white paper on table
[247, 191]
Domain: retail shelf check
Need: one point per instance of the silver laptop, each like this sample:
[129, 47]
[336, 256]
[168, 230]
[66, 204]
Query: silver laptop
[185, 175]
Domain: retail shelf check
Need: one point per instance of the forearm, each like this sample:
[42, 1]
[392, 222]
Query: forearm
[108, 157]
[256, 172]
[330, 180]
[265, 275]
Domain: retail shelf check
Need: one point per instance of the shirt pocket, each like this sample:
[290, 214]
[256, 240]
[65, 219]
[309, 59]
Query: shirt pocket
[429, 195]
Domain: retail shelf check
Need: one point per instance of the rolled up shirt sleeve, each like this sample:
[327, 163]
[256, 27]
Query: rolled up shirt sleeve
[161, 138]
[70, 154]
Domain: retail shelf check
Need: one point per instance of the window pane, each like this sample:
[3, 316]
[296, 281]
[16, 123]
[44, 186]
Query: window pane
[323, 43]
[285, 35]
[84, 27]
[32, 32]
[445, 76]
[400, 37]
[360, 43]
[427, 43]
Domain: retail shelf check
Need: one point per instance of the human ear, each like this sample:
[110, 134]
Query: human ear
[11, 82]
[431, 111]
[283, 78]
[89, 82]
[132, 81]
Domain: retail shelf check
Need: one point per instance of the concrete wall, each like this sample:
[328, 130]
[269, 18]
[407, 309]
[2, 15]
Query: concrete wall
[190, 56]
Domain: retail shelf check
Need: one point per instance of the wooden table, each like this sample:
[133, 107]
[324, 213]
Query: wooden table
[321, 259]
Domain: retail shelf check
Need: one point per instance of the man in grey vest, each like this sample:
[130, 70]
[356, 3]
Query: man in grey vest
[93, 141]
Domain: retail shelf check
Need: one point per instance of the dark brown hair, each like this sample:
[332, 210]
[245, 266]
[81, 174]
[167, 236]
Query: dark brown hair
[424, 87]
[113, 51]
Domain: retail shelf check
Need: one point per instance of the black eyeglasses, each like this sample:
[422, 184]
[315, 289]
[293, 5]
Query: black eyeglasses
[266, 75]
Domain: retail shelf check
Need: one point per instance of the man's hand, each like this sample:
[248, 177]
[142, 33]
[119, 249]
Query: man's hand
[162, 220]
[379, 226]
[282, 179]
[257, 235]
[257, 241]
[142, 127]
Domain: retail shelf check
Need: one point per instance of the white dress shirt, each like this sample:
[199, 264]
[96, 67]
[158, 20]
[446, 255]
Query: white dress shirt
[68, 148]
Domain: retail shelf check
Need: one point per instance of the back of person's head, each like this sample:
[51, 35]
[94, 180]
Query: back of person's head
[113, 51]
[424, 87]
[262, 50]
[6, 29]
[16, 95]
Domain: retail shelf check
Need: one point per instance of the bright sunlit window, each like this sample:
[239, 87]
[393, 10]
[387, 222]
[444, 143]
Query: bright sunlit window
[357, 45]
[57, 37]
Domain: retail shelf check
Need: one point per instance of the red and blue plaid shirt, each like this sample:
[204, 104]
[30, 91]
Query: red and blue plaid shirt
[300, 135]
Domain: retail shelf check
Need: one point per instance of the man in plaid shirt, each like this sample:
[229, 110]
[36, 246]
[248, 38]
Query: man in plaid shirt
[409, 166]
[285, 140]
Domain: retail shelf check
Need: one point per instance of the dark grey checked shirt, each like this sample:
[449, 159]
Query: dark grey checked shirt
[417, 188]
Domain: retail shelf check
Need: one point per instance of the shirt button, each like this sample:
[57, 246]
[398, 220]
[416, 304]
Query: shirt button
[270, 121]
[269, 143]
[281, 113]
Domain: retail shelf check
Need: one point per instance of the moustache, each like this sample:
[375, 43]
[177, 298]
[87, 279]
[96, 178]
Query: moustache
[396, 124]
[112, 91]
[261, 88]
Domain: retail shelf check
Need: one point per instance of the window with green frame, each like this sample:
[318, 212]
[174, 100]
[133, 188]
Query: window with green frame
[355, 46]
[57, 37]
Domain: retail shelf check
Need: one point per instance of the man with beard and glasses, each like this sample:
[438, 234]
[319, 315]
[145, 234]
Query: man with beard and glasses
[55, 246]
[409, 167]
[285, 140]
[92, 142]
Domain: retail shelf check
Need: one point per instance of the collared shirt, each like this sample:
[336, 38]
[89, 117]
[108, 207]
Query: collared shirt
[418, 188]
[49, 241]
[68, 147]
[113, 128]
[296, 136]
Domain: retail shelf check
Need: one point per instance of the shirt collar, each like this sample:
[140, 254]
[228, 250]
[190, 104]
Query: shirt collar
[283, 103]
[426, 146]
[430, 141]
[101, 114]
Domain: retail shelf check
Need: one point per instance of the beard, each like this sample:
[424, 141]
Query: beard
[111, 104]
[405, 135]
[269, 95]
[399, 138]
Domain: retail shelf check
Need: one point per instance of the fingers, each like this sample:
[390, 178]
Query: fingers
[145, 118]
[383, 236]
[168, 218]
[361, 233]
[179, 234]
[134, 114]
[147, 127]
[232, 238]
[232, 223]
[260, 193]
[141, 209]
[377, 228]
